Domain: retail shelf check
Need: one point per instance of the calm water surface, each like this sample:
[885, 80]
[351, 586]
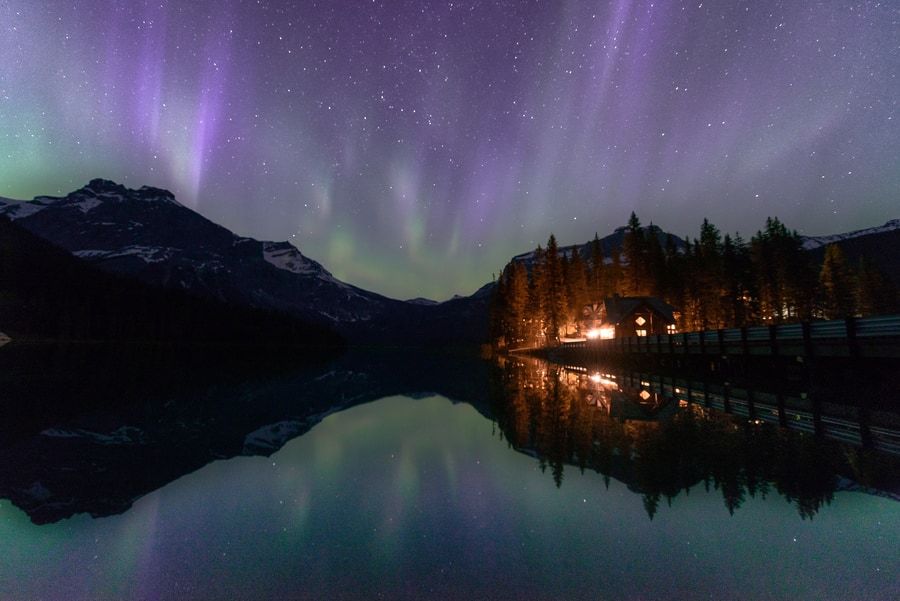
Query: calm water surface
[421, 497]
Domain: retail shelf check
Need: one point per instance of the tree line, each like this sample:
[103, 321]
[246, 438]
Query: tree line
[541, 408]
[713, 281]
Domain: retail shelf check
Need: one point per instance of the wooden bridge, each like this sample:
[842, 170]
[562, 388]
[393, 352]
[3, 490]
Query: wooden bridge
[863, 338]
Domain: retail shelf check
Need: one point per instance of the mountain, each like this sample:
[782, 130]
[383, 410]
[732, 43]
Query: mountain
[47, 293]
[813, 242]
[610, 244]
[148, 235]
[878, 244]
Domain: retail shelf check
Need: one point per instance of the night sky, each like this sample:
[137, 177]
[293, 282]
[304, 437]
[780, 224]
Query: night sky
[413, 147]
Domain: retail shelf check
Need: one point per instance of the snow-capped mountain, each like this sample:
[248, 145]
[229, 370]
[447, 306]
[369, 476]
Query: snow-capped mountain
[813, 242]
[148, 235]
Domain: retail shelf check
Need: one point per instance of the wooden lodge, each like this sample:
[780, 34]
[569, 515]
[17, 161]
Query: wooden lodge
[628, 316]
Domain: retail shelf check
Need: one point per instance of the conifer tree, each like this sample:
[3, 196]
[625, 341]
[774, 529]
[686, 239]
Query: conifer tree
[736, 267]
[634, 251]
[598, 275]
[537, 286]
[783, 274]
[709, 277]
[877, 294]
[838, 283]
[516, 303]
[576, 286]
[655, 261]
[554, 292]
[672, 277]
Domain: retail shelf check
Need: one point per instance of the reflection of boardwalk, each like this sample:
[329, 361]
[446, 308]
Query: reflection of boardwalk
[866, 338]
[879, 431]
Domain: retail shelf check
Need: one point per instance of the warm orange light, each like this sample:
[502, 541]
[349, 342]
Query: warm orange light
[606, 382]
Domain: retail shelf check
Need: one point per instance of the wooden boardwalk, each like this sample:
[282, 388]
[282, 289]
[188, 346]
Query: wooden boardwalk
[864, 338]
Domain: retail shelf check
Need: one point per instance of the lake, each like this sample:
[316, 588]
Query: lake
[414, 476]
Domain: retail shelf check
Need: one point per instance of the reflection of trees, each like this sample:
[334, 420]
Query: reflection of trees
[555, 415]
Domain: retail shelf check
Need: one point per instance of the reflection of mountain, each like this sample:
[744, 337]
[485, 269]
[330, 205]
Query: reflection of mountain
[661, 445]
[183, 411]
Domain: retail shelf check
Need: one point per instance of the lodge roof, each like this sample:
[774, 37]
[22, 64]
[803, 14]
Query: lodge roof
[619, 308]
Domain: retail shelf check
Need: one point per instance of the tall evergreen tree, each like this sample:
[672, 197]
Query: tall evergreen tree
[598, 275]
[554, 292]
[838, 284]
[673, 278]
[736, 267]
[783, 273]
[635, 265]
[709, 277]
[535, 324]
[576, 286]
[877, 294]
[655, 262]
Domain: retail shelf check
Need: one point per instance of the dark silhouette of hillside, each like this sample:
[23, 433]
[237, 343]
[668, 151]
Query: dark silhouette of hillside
[48, 294]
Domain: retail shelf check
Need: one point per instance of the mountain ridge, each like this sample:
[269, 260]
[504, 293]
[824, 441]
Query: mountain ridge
[148, 235]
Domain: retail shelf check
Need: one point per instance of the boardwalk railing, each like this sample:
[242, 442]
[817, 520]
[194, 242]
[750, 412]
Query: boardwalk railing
[843, 423]
[794, 413]
[869, 337]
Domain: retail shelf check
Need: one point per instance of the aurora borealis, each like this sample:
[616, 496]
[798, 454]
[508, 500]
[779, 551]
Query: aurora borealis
[414, 147]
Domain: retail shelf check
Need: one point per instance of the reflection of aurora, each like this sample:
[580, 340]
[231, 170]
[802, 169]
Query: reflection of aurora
[661, 447]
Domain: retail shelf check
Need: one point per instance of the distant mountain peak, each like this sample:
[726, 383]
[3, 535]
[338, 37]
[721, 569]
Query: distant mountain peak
[104, 188]
[147, 235]
[811, 242]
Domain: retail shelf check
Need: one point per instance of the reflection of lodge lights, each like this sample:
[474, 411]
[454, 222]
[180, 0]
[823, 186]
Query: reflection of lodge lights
[645, 395]
[604, 381]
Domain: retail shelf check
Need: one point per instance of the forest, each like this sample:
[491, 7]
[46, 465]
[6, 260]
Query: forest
[540, 409]
[712, 281]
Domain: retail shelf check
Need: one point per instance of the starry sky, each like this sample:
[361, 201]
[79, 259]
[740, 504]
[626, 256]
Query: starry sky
[414, 147]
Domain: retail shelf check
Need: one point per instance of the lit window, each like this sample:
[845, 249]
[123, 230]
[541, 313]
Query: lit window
[641, 332]
[670, 328]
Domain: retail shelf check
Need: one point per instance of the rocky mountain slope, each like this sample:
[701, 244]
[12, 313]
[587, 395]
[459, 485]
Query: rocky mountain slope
[148, 235]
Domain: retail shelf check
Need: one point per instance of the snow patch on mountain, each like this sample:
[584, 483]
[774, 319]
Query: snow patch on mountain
[121, 435]
[87, 204]
[17, 209]
[811, 242]
[269, 438]
[149, 254]
[284, 256]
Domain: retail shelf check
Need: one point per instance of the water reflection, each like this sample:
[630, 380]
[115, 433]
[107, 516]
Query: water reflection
[653, 435]
[412, 495]
[98, 427]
